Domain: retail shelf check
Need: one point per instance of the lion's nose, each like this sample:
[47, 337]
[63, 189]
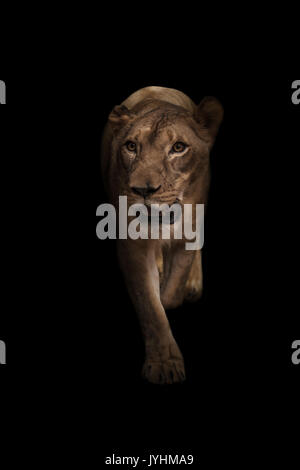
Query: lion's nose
[145, 192]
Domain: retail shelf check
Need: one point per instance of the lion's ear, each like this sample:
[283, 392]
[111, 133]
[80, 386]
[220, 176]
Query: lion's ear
[209, 115]
[119, 117]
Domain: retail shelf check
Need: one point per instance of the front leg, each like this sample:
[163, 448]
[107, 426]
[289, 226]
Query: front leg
[177, 265]
[164, 362]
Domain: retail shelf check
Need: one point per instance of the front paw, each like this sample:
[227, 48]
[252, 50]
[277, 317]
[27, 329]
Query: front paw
[167, 371]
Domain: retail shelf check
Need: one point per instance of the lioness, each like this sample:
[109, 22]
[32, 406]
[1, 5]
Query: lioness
[155, 149]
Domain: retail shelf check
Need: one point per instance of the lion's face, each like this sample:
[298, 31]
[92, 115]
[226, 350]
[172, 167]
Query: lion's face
[163, 151]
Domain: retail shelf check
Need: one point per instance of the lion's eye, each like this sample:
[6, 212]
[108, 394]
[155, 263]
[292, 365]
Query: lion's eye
[131, 146]
[178, 147]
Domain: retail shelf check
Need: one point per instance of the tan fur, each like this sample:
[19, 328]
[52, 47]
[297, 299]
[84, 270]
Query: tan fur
[168, 95]
[160, 274]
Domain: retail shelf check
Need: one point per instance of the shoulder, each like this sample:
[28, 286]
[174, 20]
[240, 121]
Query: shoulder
[169, 95]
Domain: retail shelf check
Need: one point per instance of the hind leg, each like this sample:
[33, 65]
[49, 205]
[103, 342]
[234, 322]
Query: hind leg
[194, 283]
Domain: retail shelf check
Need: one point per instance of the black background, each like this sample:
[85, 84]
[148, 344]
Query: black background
[68, 322]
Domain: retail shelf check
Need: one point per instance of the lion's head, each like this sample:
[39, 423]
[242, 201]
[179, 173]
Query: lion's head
[163, 150]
